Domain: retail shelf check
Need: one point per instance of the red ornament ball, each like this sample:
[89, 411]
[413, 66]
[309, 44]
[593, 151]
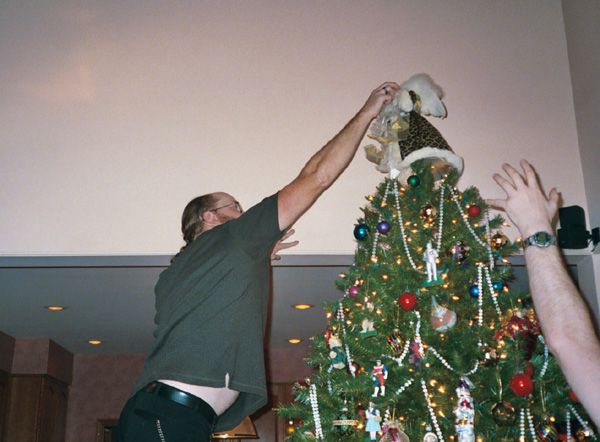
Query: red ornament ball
[474, 211]
[407, 301]
[528, 369]
[353, 291]
[521, 385]
[573, 396]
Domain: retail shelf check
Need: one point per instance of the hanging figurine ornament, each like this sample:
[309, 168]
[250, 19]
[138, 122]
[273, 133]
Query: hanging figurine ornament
[430, 256]
[373, 421]
[380, 374]
[465, 413]
[442, 319]
[336, 352]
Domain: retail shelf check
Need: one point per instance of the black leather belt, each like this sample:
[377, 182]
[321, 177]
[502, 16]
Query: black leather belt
[182, 398]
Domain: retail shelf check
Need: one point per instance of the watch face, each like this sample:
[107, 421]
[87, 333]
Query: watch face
[541, 239]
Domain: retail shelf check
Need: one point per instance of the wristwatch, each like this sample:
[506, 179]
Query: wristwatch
[540, 239]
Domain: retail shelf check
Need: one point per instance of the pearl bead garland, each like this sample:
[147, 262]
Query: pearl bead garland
[546, 358]
[531, 426]
[418, 333]
[405, 386]
[583, 423]
[431, 412]
[464, 217]
[376, 237]
[315, 409]
[401, 222]
[488, 234]
[449, 367]
[568, 419]
[522, 426]
[342, 319]
[491, 290]
[522, 423]
[403, 355]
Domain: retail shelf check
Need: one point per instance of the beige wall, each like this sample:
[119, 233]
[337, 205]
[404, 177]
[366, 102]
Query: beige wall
[584, 53]
[115, 114]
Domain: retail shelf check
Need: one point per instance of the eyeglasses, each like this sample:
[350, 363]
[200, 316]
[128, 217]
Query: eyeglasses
[236, 205]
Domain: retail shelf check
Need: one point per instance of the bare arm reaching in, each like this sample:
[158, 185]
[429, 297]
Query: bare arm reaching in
[564, 316]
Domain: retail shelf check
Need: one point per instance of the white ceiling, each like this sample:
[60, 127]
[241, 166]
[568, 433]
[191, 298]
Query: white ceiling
[112, 299]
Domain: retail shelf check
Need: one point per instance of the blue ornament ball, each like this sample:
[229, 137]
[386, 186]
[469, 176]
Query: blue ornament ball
[474, 291]
[383, 227]
[361, 231]
[498, 286]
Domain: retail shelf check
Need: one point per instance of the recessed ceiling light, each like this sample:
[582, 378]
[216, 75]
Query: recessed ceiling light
[302, 306]
[95, 342]
[55, 308]
[294, 341]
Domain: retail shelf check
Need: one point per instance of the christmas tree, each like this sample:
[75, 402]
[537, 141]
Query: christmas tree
[427, 341]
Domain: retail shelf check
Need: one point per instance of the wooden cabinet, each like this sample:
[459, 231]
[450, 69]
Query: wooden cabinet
[4, 376]
[36, 409]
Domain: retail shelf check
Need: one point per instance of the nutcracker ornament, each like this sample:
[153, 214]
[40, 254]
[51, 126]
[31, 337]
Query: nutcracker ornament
[464, 413]
[380, 374]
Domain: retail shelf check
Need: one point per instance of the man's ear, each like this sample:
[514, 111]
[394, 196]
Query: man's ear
[210, 218]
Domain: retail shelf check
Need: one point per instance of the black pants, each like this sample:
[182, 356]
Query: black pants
[154, 417]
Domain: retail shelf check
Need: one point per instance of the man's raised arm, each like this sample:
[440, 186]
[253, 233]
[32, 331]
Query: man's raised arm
[327, 164]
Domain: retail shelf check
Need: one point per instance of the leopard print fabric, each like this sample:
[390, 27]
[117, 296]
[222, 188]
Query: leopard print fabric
[421, 134]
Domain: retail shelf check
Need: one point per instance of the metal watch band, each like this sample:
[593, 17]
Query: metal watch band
[540, 239]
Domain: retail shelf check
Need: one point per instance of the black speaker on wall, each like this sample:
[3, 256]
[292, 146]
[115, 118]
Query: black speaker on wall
[573, 233]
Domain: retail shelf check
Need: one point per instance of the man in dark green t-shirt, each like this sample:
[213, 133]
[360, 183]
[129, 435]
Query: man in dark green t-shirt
[205, 371]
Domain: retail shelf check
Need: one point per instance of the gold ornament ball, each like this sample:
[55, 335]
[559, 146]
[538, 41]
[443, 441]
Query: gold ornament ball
[499, 240]
[428, 213]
